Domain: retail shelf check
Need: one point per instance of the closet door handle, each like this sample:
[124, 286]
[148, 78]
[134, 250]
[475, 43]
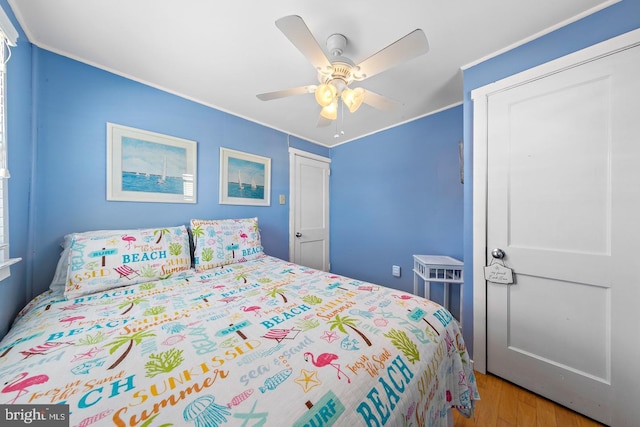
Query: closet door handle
[298, 234]
[497, 253]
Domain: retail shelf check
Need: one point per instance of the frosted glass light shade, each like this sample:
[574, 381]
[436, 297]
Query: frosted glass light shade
[325, 94]
[353, 98]
[330, 111]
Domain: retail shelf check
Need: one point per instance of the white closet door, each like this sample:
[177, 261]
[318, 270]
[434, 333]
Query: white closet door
[563, 203]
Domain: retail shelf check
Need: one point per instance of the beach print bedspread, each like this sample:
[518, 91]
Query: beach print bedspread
[260, 343]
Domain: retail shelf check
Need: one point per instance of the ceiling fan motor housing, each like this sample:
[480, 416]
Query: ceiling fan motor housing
[336, 43]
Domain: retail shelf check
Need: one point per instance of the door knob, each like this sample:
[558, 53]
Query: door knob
[497, 253]
[298, 234]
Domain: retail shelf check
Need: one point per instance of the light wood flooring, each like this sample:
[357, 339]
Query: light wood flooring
[504, 404]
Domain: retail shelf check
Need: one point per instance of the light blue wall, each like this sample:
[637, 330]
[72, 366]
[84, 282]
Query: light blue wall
[395, 194]
[615, 20]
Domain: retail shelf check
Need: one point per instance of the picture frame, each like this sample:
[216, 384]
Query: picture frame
[144, 166]
[461, 160]
[245, 179]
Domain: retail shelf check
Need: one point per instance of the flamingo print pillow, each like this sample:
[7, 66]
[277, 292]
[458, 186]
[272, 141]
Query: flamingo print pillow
[224, 241]
[102, 261]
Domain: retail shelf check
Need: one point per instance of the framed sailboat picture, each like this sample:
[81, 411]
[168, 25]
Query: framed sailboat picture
[145, 166]
[245, 179]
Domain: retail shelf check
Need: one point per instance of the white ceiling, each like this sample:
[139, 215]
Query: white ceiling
[222, 54]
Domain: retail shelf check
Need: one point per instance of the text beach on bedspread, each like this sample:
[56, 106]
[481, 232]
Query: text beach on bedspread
[248, 340]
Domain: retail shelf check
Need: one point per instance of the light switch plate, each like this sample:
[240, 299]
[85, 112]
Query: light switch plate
[282, 199]
[395, 270]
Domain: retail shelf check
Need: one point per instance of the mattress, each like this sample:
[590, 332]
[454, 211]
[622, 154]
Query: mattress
[259, 343]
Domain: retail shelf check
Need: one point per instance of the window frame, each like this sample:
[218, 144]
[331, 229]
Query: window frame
[8, 38]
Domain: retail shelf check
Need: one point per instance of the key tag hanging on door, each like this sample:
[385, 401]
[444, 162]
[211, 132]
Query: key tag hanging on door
[496, 271]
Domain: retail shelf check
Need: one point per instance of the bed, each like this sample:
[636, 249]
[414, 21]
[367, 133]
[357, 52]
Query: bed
[199, 327]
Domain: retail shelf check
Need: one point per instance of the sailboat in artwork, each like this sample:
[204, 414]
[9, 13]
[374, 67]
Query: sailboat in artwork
[163, 178]
[253, 184]
[240, 181]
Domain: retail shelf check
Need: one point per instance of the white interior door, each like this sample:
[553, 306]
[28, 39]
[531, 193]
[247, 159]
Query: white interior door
[563, 186]
[309, 232]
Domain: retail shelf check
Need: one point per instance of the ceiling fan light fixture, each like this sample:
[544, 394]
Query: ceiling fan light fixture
[336, 74]
[325, 94]
[330, 111]
[353, 98]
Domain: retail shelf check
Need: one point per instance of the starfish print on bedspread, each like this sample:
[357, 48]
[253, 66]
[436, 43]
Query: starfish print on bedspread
[329, 336]
[307, 380]
[88, 355]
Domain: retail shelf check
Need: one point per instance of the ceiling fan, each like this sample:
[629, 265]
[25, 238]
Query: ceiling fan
[336, 74]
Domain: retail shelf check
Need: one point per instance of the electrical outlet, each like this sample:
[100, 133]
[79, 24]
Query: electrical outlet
[395, 270]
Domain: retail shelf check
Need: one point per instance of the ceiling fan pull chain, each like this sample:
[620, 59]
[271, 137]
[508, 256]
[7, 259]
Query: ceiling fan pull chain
[342, 118]
[338, 134]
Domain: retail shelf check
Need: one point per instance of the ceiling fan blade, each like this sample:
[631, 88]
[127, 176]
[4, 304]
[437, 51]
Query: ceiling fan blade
[410, 46]
[299, 34]
[380, 102]
[287, 92]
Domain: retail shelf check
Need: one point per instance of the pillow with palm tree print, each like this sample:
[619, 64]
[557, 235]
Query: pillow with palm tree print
[102, 261]
[224, 241]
